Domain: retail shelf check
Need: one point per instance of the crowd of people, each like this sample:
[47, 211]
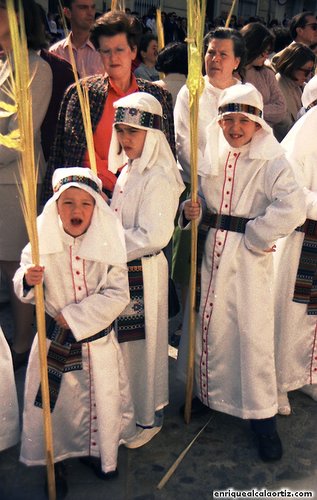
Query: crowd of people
[113, 242]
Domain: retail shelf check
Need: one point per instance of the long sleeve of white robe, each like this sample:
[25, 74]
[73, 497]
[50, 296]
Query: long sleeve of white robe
[92, 313]
[279, 218]
[155, 222]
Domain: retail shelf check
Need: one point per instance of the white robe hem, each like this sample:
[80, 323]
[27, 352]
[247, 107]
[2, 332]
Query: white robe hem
[245, 414]
[158, 408]
[30, 463]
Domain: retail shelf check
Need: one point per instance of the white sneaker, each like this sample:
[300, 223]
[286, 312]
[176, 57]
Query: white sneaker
[310, 390]
[284, 407]
[143, 437]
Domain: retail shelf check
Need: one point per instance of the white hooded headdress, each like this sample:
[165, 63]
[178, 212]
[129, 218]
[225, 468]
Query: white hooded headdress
[104, 239]
[247, 100]
[142, 110]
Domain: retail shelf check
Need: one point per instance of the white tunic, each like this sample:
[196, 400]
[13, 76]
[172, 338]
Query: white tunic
[235, 368]
[146, 203]
[94, 411]
[296, 331]
[9, 410]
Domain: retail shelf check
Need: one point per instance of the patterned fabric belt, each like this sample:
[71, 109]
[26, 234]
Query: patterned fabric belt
[64, 355]
[309, 227]
[218, 221]
[305, 290]
[227, 222]
[131, 322]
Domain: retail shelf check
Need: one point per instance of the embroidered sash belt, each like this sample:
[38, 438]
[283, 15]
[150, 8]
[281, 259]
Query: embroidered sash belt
[218, 221]
[305, 290]
[131, 322]
[64, 355]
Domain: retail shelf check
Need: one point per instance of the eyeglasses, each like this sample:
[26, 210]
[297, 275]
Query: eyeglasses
[306, 72]
[312, 25]
[109, 52]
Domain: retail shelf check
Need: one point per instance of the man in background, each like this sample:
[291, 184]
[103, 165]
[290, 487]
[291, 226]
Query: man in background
[303, 28]
[81, 16]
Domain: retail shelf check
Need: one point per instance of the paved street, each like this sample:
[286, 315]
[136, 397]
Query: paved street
[223, 457]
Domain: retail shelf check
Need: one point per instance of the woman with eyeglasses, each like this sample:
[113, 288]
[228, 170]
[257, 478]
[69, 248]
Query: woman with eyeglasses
[259, 42]
[116, 36]
[293, 68]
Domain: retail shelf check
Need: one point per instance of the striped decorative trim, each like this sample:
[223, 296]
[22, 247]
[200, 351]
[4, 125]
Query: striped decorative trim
[77, 178]
[134, 116]
[234, 107]
[305, 290]
[64, 355]
[131, 322]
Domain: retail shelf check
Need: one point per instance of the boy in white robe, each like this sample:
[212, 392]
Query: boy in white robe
[9, 410]
[253, 200]
[83, 267]
[145, 199]
[295, 287]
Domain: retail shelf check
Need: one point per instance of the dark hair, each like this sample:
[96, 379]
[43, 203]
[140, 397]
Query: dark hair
[221, 33]
[145, 41]
[292, 58]
[151, 12]
[68, 3]
[273, 23]
[299, 21]
[173, 59]
[114, 23]
[35, 34]
[257, 39]
[282, 38]
[45, 25]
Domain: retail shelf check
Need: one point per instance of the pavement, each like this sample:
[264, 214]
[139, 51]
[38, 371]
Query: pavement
[224, 457]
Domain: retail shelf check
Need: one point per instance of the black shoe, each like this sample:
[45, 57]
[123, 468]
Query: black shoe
[270, 447]
[198, 408]
[175, 339]
[60, 481]
[95, 464]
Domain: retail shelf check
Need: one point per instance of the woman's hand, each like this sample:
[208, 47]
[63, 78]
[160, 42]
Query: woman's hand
[191, 210]
[34, 275]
